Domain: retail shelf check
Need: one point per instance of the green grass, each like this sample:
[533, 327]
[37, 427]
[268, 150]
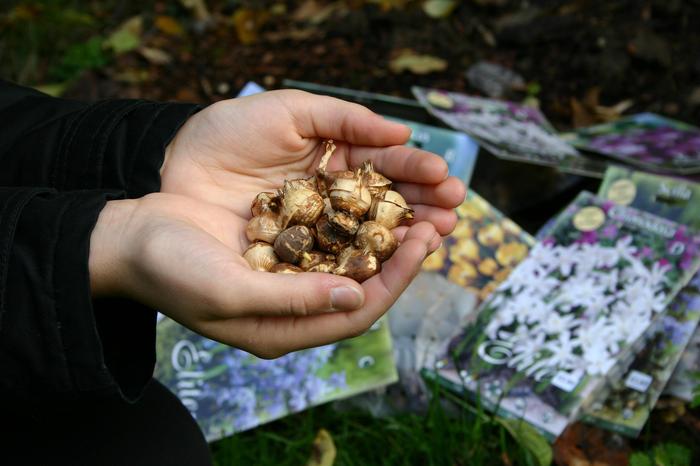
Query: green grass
[449, 433]
[452, 432]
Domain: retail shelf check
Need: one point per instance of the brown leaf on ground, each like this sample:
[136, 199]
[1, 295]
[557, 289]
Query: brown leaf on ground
[584, 445]
[323, 450]
[588, 111]
[408, 60]
[168, 25]
[248, 22]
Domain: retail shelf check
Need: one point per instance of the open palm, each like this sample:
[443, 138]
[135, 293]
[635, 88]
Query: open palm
[192, 234]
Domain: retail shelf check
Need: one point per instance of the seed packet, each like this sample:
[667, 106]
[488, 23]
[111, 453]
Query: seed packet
[507, 129]
[686, 378]
[672, 198]
[483, 248]
[645, 140]
[677, 200]
[572, 314]
[625, 405]
[228, 390]
[472, 261]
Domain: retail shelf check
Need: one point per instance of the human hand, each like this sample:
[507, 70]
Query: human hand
[234, 149]
[180, 250]
[183, 256]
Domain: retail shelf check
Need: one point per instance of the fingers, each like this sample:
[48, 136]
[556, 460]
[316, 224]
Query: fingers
[401, 164]
[444, 220]
[330, 118]
[304, 294]
[448, 194]
[273, 337]
[433, 245]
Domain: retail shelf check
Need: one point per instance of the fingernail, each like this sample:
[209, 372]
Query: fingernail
[345, 298]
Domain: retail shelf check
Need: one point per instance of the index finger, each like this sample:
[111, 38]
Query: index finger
[324, 117]
[401, 163]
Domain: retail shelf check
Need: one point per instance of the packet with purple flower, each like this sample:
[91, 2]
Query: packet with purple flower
[479, 254]
[506, 129]
[645, 140]
[572, 315]
[228, 390]
[677, 200]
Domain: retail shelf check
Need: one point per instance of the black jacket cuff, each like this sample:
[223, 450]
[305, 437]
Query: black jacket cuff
[120, 144]
[53, 340]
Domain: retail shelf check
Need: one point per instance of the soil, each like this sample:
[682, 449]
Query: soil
[598, 53]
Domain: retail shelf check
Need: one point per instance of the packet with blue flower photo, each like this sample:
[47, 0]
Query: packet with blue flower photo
[228, 390]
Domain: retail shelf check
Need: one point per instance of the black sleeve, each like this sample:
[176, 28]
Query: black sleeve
[53, 342]
[69, 145]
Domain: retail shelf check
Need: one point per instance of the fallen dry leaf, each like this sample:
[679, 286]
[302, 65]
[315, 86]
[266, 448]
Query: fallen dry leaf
[323, 450]
[168, 25]
[126, 37]
[155, 56]
[248, 22]
[408, 60]
[199, 9]
[588, 111]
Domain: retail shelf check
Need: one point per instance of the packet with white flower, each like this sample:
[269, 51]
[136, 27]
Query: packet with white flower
[478, 255]
[625, 405]
[572, 314]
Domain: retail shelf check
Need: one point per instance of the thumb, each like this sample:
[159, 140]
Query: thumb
[270, 294]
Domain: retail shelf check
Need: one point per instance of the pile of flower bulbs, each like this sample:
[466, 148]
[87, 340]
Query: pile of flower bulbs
[334, 222]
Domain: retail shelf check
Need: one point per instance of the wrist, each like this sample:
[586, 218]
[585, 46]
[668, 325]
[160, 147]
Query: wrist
[108, 258]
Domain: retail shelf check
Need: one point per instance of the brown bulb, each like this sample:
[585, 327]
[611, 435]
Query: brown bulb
[377, 183]
[390, 209]
[328, 238]
[264, 227]
[293, 242]
[377, 239]
[301, 205]
[344, 222]
[358, 265]
[348, 193]
[324, 267]
[284, 267]
[312, 258]
[265, 202]
[261, 256]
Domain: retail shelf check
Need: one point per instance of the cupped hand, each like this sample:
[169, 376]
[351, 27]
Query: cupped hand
[234, 149]
[180, 250]
[183, 257]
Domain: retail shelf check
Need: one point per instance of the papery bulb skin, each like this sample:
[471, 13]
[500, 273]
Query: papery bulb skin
[348, 193]
[344, 222]
[375, 238]
[313, 258]
[358, 265]
[328, 238]
[390, 210]
[292, 243]
[285, 267]
[301, 205]
[260, 256]
[377, 183]
[324, 267]
[264, 227]
[265, 202]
